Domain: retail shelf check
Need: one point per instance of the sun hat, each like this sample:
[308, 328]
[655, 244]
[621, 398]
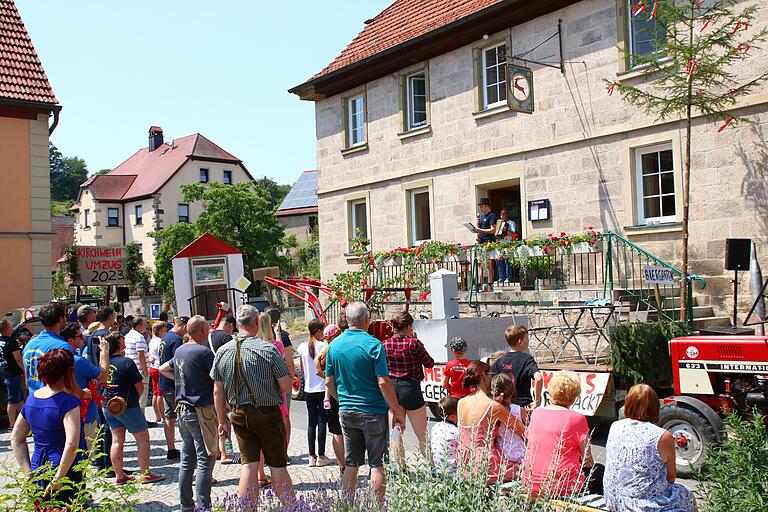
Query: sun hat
[458, 344]
[92, 327]
[331, 330]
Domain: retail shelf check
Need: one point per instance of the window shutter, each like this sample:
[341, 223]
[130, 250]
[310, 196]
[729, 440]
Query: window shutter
[507, 73]
[477, 62]
[428, 93]
[622, 37]
[403, 79]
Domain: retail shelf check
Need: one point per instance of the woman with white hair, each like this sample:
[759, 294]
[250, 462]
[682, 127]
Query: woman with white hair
[558, 459]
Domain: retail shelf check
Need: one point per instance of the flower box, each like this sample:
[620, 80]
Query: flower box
[586, 247]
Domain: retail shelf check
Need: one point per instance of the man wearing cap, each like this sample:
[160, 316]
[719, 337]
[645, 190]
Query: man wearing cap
[172, 340]
[486, 229]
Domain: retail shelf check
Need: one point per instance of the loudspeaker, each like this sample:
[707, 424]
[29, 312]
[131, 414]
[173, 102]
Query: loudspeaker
[122, 294]
[737, 252]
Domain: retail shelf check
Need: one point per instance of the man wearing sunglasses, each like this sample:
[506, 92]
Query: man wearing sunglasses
[85, 371]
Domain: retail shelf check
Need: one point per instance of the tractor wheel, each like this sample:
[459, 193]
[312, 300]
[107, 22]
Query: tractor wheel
[298, 395]
[693, 435]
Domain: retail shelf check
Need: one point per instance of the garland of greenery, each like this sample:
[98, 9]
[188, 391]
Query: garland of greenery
[69, 252]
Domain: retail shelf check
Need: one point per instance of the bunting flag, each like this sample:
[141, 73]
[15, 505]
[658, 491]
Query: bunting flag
[698, 4]
[655, 10]
[639, 8]
[728, 122]
[745, 47]
[743, 25]
[709, 20]
[691, 67]
[612, 88]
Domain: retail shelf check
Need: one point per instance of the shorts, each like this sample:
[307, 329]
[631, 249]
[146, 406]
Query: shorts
[15, 389]
[132, 420]
[364, 432]
[408, 393]
[170, 405]
[334, 424]
[154, 376]
[260, 430]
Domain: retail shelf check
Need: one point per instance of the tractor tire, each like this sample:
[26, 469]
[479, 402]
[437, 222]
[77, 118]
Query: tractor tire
[694, 436]
[298, 395]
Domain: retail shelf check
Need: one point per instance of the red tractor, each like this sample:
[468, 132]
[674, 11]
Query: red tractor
[712, 375]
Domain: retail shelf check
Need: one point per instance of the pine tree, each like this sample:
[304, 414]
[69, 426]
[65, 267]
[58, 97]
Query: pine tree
[700, 52]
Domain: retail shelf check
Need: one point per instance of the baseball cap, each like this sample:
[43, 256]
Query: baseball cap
[331, 330]
[458, 344]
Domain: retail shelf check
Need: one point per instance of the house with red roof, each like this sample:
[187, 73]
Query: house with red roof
[29, 112]
[143, 194]
[437, 104]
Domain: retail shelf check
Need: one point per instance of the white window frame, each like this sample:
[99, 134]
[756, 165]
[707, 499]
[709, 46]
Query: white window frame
[139, 212]
[631, 33]
[353, 221]
[484, 76]
[117, 217]
[208, 262]
[178, 211]
[639, 190]
[411, 104]
[86, 218]
[224, 177]
[412, 193]
[207, 175]
[352, 129]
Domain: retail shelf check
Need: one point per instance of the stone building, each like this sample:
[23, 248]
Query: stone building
[29, 112]
[143, 194]
[298, 211]
[414, 127]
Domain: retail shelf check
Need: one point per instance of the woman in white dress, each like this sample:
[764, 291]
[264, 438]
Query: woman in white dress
[640, 460]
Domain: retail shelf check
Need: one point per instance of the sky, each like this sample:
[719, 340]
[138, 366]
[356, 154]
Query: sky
[220, 68]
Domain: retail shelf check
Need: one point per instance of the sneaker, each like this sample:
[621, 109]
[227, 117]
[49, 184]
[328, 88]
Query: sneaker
[312, 461]
[323, 461]
[173, 455]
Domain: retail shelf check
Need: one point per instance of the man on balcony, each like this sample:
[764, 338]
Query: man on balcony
[486, 232]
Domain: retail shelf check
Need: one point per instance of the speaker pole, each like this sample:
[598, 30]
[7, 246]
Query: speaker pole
[735, 297]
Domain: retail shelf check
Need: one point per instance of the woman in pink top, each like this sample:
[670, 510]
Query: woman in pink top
[558, 460]
[479, 420]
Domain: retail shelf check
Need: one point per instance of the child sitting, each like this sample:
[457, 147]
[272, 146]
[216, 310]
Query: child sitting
[521, 366]
[509, 445]
[453, 373]
[445, 436]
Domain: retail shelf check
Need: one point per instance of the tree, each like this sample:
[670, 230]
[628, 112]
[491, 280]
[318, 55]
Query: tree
[172, 239]
[103, 171]
[243, 216]
[67, 174]
[276, 192]
[702, 42]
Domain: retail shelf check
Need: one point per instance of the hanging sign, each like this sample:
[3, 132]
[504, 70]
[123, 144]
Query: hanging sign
[520, 93]
[101, 266]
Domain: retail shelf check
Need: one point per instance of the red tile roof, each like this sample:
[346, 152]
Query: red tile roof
[400, 22]
[63, 228]
[145, 172]
[22, 77]
[206, 245]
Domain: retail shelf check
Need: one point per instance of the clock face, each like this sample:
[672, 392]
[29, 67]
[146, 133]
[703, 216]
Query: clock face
[521, 89]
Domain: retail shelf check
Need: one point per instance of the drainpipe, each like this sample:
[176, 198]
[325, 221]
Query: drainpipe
[124, 220]
[55, 110]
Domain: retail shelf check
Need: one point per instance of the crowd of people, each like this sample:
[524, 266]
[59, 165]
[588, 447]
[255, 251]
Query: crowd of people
[88, 384]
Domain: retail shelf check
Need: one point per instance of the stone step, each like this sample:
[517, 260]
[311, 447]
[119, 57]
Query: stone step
[711, 321]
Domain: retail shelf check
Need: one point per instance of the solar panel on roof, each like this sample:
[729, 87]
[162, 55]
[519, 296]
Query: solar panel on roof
[303, 194]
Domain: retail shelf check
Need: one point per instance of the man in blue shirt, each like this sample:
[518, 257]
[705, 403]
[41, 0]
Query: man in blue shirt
[53, 317]
[357, 374]
[85, 371]
[171, 341]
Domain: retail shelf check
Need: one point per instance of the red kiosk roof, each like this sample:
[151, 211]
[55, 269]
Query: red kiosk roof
[206, 245]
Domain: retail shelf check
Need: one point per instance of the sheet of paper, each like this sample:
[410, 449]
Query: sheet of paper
[543, 214]
[469, 226]
[534, 212]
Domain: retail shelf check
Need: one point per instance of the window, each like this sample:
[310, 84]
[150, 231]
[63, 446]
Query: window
[417, 101]
[203, 175]
[356, 121]
[183, 212]
[113, 217]
[86, 218]
[420, 218]
[141, 254]
[138, 209]
[655, 185]
[227, 177]
[643, 32]
[494, 76]
[208, 271]
[312, 224]
[359, 218]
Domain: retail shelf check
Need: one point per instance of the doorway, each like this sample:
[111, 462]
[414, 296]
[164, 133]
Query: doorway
[508, 198]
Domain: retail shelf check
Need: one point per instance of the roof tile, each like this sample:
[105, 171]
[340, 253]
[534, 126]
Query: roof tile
[400, 22]
[22, 76]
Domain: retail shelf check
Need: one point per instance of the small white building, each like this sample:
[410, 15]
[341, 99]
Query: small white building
[204, 273]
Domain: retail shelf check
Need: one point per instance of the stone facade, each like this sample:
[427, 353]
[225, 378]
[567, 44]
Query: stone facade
[577, 150]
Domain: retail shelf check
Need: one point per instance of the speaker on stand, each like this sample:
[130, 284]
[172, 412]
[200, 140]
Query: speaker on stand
[737, 252]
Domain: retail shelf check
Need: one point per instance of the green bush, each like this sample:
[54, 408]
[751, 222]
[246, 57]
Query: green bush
[640, 352]
[735, 478]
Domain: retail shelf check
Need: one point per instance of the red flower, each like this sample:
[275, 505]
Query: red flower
[562, 234]
[423, 297]
[418, 249]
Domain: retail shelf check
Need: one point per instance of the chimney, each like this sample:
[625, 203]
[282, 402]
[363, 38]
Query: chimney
[155, 137]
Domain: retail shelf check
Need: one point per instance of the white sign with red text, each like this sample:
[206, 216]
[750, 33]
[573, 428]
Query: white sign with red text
[432, 385]
[594, 386]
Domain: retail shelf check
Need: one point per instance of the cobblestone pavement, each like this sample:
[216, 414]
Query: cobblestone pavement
[164, 496]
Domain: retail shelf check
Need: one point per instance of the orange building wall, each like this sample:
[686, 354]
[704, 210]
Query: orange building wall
[15, 215]
[15, 176]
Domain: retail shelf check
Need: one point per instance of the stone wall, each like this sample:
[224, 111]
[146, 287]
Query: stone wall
[577, 150]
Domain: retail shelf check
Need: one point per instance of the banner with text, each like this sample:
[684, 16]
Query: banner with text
[593, 389]
[101, 266]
